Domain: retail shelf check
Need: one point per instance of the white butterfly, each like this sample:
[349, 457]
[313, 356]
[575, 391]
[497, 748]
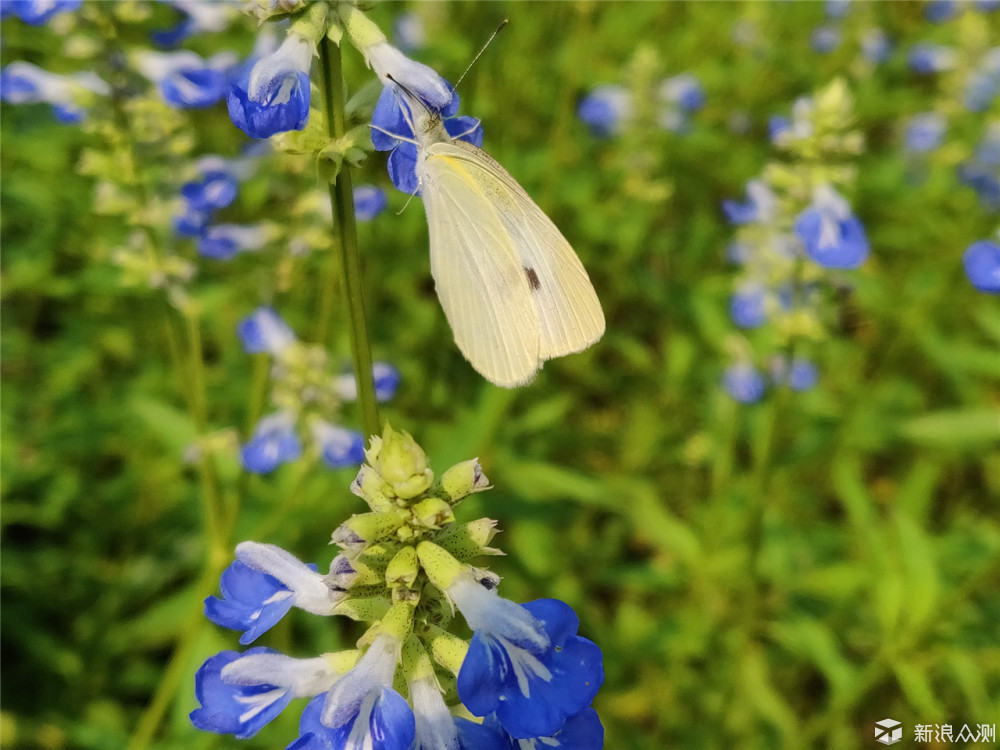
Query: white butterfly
[513, 290]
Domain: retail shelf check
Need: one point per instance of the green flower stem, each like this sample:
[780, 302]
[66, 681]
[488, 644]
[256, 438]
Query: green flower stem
[346, 242]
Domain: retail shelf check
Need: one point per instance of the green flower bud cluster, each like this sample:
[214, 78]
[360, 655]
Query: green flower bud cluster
[409, 548]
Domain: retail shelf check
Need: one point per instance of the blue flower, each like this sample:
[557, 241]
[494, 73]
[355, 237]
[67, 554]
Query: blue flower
[225, 241]
[744, 383]
[184, 79]
[261, 586]
[747, 306]
[982, 171]
[760, 207]
[369, 202]
[272, 95]
[240, 693]
[525, 662]
[825, 39]
[274, 442]
[982, 266]
[984, 85]
[925, 132]
[340, 448]
[24, 83]
[606, 109]
[394, 115]
[927, 58]
[582, 731]
[387, 380]
[801, 375]
[408, 32]
[191, 223]
[875, 45]
[37, 12]
[939, 11]
[361, 709]
[837, 8]
[832, 235]
[216, 189]
[436, 728]
[198, 17]
[264, 331]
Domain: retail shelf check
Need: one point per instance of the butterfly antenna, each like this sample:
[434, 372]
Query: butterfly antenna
[489, 41]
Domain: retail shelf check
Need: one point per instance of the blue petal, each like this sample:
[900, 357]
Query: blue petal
[390, 726]
[402, 168]
[746, 308]
[465, 128]
[214, 190]
[224, 707]
[345, 450]
[849, 252]
[265, 452]
[473, 736]
[194, 89]
[262, 120]
[249, 602]
[744, 383]
[388, 116]
[982, 266]
[313, 734]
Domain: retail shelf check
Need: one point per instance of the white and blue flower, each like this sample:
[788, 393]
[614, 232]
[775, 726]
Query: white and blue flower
[225, 241]
[606, 110]
[273, 443]
[369, 202]
[271, 95]
[340, 448]
[525, 663]
[982, 266]
[761, 205]
[583, 731]
[240, 693]
[185, 80]
[24, 83]
[833, 236]
[744, 383]
[265, 331]
[37, 12]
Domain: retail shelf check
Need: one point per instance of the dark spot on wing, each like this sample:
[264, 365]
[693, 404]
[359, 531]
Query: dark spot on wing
[533, 281]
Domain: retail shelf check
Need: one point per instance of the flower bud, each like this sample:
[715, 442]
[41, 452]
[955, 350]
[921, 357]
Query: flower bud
[464, 479]
[400, 462]
[403, 569]
[469, 540]
[362, 529]
[433, 513]
[439, 565]
[448, 650]
[371, 488]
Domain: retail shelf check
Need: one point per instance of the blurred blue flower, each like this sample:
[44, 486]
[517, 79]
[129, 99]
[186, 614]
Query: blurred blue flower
[685, 90]
[833, 236]
[837, 8]
[760, 206]
[265, 331]
[369, 202]
[37, 12]
[825, 39]
[198, 17]
[224, 241]
[986, 6]
[387, 380]
[982, 265]
[799, 375]
[340, 447]
[271, 95]
[981, 172]
[875, 45]
[273, 443]
[214, 190]
[939, 11]
[184, 79]
[744, 383]
[24, 83]
[408, 32]
[606, 109]
[983, 86]
[747, 305]
[928, 57]
[525, 663]
[191, 223]
[925, 132]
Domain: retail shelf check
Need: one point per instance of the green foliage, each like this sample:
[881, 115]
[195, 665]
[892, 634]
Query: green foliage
[774, 576]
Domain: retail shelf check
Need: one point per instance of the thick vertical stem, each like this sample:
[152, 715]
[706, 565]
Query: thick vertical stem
[346, 243]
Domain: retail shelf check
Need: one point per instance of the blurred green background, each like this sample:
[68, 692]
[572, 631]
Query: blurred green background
[779, 575]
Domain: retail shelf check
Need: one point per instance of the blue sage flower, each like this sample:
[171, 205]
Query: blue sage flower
[198, 17]
[825, 39]
[265, 331]
[761, 205]
[837, 8]
[225, 241]
[362, 706]
[982, 266]
[981, 172]
[369, 202]
[582, 731]
[240, 693]
[939, 11]
[184, 79]
[747, 305]
[983, 86]
[833, 236]
[437, 728]
[408, 32]
[37, 12]
[525, 663]
[273, 443]
[925, 132]
[262, 585]
[340, 448]
[272, 95]
[606, 110]
[875, 45]
[927, 58]
[24, 83]
[744, 383]
[800, 374]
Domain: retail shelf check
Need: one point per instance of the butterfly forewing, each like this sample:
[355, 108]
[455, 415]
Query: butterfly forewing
[477, 271]
[568, 313]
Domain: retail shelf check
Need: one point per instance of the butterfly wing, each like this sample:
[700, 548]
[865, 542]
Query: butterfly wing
[567, 311]
[477, 271]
